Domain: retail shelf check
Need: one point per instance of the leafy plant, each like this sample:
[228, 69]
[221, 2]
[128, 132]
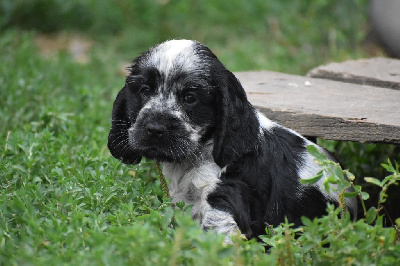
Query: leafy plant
[337, 179]
[390, 180]
[334, 238]
[331, 240]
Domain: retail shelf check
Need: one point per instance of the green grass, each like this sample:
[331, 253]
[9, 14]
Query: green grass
[287, 36]
[65, 200]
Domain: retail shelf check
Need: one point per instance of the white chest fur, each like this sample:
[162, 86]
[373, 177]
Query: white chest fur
[192, 180]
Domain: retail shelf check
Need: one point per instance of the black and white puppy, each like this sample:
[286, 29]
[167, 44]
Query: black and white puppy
[181, 107]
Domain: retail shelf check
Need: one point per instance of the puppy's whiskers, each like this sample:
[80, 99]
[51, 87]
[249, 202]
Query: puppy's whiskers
[120, 136]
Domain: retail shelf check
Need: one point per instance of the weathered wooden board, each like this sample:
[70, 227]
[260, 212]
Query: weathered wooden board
[380, 72]
[325, 108]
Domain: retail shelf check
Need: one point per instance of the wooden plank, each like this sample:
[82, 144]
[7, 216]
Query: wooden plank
[325, 108]
[380, 72]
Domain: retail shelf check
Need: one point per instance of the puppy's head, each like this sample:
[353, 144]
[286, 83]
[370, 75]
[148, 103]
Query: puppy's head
[178, 96]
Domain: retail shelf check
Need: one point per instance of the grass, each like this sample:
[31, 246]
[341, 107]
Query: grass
[65, 200]
[287, 36]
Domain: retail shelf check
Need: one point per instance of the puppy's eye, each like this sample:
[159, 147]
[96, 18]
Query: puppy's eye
[146, 91]
[190, 98]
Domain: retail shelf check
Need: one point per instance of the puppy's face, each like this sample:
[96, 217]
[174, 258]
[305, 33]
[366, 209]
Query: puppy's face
[167, 109]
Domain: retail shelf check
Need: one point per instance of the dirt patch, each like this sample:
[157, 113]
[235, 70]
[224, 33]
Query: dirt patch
[78, 46]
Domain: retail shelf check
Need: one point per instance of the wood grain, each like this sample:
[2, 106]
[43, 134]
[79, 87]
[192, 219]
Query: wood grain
[325, 108]
[380, 72]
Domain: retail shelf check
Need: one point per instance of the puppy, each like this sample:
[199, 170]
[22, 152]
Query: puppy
[181, 107]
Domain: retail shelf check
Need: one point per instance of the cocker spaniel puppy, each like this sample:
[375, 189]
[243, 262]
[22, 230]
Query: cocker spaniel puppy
[181, 107]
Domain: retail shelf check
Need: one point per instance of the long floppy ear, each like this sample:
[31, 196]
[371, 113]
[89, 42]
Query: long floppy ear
[118, 138]
[237, 126]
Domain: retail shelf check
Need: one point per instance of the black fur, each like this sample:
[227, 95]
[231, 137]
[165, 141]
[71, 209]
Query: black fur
[259, 180]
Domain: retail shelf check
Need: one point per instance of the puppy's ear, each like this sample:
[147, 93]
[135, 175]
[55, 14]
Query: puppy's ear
[237, 126]
[118, 139]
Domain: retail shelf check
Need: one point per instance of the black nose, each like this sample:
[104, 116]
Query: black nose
[156, 129]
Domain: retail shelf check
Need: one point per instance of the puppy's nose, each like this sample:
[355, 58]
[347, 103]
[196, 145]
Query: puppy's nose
[155, 129]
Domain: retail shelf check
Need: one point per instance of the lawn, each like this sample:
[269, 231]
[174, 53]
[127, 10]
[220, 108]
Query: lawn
[65, 200]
